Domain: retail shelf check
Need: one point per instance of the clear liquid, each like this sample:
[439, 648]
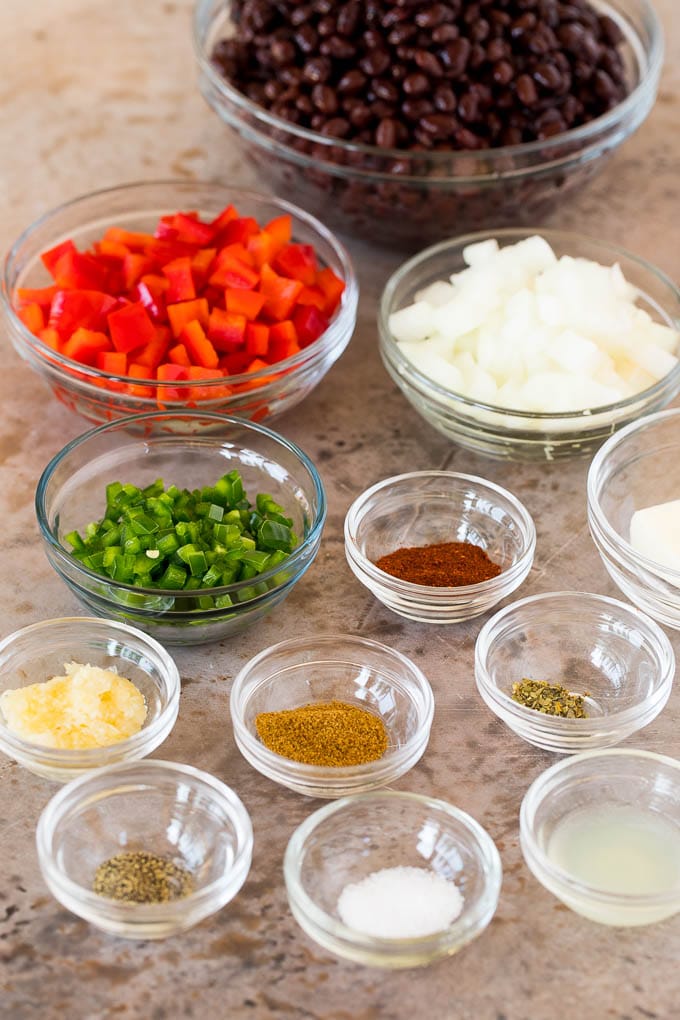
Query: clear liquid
[619, 848]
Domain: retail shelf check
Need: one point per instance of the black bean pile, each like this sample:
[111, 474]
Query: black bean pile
[413, 74]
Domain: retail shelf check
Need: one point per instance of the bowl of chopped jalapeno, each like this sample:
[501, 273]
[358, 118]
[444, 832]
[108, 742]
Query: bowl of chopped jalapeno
[144, 850]
[569, 671]
[191, 527]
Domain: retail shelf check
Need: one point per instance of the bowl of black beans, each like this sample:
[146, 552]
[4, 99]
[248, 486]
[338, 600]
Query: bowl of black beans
[406, 121]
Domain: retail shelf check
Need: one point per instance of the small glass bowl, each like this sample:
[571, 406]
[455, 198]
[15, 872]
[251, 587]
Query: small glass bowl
[501, 432]
[334, 667]
[101, 396]
[190, 450]
[637, 468]
[345, 841]
[425, 507]
[38, 652]
[160, 807]
[585, 643]
[409, 197]
[597, 780]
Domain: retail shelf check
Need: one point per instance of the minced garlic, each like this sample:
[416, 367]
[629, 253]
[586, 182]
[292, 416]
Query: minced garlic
[88, 707]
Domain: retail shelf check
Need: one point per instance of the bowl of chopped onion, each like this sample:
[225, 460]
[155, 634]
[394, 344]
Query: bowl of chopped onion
[190, 536]
[531, 346]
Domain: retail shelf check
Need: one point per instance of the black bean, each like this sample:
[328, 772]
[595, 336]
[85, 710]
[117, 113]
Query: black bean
[348, 17]
[338, 127]
[455, 56]
[385, 89]
[428, 63]
[352, 81]
[547, 75]
[526, 90]
[503, 72]
[445, 33]
[414, 109]
[317, 69]
[386, 133]
[375, 62]
[438, 125]
[336, 46]
[445, 99]
[306, 39]
[325, 99]
[416, 84]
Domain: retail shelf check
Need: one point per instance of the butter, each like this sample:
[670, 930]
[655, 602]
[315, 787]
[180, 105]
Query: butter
[655, 533]
[88, 707]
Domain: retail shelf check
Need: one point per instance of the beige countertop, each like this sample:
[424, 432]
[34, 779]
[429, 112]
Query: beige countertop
[94, 93]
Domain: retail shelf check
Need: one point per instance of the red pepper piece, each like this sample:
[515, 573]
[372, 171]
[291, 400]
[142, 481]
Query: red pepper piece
[178, 355]
[244, 302]
[280, 230]
[199, 348]
[111, 250]
[154, 352]
[133, 240]
[51, 338]
[182, 287]
[186, 311]
[257, 339]
[310, 323]
[226, 330]
[230, 271]
[239, 230]
[131, 327]
[154, 305]
[332, 287]
[136, 371]
[73, 308]
[50, 258]
[191, 230]
[224, 217]
[280, 293]
[201, 265]
[168, 372]
[135, 265]
[312, 296]
[35, 295]
[283, 342]
[33, 317]
[113, 362]
[76, 271]
[206, 392]
[298, 262]
[236, 363]
[85, 345]
[261, 248]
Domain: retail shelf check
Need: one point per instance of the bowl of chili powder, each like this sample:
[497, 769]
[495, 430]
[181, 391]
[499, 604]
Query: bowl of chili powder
[439, 546]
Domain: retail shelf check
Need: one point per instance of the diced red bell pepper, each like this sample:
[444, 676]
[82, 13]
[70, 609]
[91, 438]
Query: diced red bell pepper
[283, 342]
[332, 287]
[297, 262]
[111, 250]
[236, 363]
[155, 305]
[280, 230]
[226, 330]
[182, 287]
[136, 371]
[199, 348]
[50, 258]
[133, 240]
[36, 295]
[230, 271]
[73, 308]
[135, 265]
[77, 271]
[131, 327]
[244, 302]
[224, 217]
[154, 352]
[33, 317]
[50, 337]
[167, 372]
[201, 265]
[239, 230]
[84, 346]
[191, 230]
[206, 392]
[261, 248]
[186, 311]
[310, 323]
[113, 362]
[257, 339]
[280, 293]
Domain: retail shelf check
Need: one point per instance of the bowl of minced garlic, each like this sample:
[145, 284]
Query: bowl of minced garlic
[79, 693]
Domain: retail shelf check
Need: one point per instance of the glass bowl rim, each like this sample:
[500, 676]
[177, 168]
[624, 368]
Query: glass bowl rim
[329, 339]
[430, 388]
[268, 121]
[540, 788]
[467, 924]
[558, 725]
[121, 425]
[301, 771]
[71, 797]
[597, 468]
[441, 593]
[87, 758]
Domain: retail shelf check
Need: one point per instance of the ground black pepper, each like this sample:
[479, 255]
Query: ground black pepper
[141, 877]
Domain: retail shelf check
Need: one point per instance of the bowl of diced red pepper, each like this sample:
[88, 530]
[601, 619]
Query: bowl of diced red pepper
[177, 294]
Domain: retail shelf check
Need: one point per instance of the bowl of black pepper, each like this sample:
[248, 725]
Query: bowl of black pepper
[404, 121]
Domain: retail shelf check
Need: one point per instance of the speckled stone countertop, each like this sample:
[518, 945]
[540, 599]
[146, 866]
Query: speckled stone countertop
[94, 93]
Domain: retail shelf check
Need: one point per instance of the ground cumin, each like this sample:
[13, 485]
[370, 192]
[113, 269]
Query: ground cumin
[441, 565]
[327, 733]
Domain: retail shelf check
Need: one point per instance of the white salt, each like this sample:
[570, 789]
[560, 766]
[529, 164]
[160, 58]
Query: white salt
[400, 903]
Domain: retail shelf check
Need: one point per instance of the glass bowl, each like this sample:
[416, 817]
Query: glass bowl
[334, 667]
[410, 198]
[38, 652]
[584, 643]
[101, 396]
[160, 807]
[637, 468]
[189, 450]
[643, 790]
[425, 507]
[348, 840]
[502, 432]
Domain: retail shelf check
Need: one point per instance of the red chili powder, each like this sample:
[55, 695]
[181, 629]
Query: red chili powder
[441, 565]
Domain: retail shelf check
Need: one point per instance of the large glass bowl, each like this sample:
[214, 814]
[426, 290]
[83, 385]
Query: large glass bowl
[409, 198]
[71, 493]
[158, 807]
[637, 468]
[101, 396]
[500, 431]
